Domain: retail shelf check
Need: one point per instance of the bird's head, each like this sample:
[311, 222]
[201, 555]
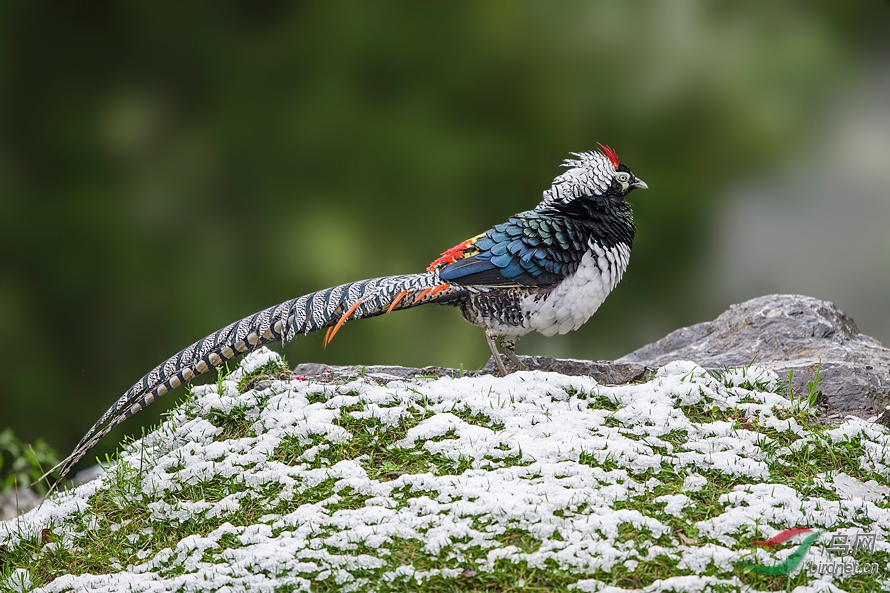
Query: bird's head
[594, 173]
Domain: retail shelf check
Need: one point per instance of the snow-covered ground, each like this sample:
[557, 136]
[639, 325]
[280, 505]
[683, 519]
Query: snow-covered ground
[536, 480]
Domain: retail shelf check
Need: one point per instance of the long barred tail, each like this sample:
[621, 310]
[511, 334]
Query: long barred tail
[328, 308]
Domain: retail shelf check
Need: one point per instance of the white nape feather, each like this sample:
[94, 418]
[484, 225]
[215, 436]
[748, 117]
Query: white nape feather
[589, 174]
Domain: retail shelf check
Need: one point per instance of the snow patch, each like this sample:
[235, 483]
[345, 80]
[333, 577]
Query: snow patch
[468, 475]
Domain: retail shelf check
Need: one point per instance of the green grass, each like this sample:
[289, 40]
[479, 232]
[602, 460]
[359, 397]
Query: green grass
[22, 463]
[294, 491]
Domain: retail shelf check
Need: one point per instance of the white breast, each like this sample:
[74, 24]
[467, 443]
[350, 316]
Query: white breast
[578, 297]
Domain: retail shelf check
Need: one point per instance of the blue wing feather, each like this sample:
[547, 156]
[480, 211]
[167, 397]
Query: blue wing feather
[526, 250]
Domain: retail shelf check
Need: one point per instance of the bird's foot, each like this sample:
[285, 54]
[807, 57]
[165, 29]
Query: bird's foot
[508, 346]
[498, 344]
[493, 341]
[500, 364]
[520, 366]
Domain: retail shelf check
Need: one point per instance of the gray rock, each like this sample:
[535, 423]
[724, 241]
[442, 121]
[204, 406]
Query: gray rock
[12, 504]
[604, 371]
[86, 475]
[327, 373]
[784, 333]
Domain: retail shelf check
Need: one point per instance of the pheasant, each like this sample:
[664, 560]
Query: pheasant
[546, 270]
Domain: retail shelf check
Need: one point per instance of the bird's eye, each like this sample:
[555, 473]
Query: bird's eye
[622, 177]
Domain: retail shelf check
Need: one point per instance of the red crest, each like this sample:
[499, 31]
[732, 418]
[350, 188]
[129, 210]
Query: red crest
[610, 154]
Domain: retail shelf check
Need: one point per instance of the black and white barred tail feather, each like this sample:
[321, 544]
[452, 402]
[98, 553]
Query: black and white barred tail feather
[318, 310]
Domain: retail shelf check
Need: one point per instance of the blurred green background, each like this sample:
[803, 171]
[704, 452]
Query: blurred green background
[167, 168]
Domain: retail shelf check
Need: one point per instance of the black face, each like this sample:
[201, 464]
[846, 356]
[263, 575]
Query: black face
[624, 181]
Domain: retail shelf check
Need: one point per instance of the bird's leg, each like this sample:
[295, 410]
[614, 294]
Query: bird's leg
[492, 345]
[508, 345]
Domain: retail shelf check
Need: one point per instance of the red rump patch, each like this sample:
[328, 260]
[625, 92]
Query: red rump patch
[610, 154]
[450, 256]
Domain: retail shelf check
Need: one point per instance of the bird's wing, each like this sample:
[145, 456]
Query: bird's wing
[528, 250]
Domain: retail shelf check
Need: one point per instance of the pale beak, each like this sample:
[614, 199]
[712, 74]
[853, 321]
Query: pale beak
[640, 184]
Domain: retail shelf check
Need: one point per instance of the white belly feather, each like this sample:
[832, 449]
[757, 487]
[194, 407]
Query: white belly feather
[578, 297]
